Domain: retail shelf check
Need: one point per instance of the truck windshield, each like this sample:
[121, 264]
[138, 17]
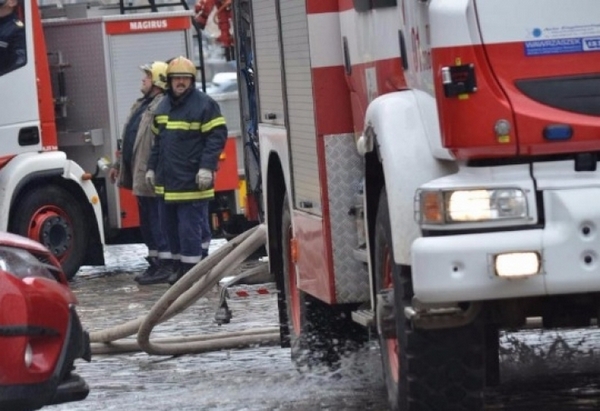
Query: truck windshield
[12, 37]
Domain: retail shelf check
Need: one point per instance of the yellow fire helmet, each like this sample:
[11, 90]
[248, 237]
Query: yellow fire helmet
[182, 67]
[158, 71]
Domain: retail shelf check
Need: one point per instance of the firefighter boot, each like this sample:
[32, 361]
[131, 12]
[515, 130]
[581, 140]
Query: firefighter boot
[160, 275]
[183, 269]
[152, 267]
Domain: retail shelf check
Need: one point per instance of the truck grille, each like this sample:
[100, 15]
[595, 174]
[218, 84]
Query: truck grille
[578, 94]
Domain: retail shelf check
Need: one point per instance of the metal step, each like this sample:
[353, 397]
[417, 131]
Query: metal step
[366, 318]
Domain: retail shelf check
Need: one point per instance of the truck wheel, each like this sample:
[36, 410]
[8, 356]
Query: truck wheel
[423, 369]
[53, 217]
[320, 334]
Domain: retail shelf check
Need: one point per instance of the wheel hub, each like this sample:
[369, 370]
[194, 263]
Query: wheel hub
[52, 230]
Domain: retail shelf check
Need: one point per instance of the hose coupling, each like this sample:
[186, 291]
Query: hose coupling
[223, 314]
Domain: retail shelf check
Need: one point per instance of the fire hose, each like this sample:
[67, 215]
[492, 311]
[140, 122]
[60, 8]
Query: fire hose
[193, 285]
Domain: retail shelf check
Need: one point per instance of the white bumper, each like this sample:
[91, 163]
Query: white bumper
[459, 267]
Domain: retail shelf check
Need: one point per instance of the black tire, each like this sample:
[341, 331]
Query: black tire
[320, 334]
[425, 369]
[53, 217]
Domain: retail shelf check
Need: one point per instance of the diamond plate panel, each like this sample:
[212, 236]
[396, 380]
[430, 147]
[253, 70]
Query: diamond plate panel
[344, 177]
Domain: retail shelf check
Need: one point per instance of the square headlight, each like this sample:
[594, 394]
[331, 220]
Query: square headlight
[471, 205]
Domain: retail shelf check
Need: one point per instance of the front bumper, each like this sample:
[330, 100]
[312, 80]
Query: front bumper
[460, 267]
[63, 385]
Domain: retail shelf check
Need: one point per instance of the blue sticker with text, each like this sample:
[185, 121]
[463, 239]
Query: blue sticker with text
[553, 46]
[561, 46]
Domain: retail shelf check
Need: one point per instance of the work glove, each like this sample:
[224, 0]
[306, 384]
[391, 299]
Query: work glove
[204, 179]
[150, 177]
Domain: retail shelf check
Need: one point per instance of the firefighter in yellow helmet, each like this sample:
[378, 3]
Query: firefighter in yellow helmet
[190, 136]
[130, 168]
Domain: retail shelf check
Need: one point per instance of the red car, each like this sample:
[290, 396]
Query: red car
[40, 333]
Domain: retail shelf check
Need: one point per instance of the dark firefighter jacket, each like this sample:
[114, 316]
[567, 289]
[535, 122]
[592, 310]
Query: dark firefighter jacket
[190, 135]
[12, 43]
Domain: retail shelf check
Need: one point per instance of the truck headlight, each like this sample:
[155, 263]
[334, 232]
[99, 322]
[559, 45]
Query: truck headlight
[471, 205]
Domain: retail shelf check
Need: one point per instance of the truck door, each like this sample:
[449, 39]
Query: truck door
[546, 58]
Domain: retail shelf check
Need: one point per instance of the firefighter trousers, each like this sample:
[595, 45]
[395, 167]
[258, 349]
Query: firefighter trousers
[152, 235]
[185, 225]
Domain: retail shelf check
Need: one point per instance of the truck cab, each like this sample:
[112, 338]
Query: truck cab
[429, 171]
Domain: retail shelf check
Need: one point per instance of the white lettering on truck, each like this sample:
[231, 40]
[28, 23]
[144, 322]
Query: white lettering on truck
[148, 25]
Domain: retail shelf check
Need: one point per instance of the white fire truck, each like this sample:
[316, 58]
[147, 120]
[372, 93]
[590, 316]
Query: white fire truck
[428, 168]
[61, 115]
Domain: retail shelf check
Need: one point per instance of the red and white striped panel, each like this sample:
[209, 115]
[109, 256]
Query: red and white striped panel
[248, 293]
[251, 290]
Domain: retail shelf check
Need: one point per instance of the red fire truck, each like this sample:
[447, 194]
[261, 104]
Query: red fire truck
[62, 113]
[427, 168]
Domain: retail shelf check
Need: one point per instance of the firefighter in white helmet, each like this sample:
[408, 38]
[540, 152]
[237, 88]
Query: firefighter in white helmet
[130, 168]
[190, 136]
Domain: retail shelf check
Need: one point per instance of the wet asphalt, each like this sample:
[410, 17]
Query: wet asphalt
[549, 371]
